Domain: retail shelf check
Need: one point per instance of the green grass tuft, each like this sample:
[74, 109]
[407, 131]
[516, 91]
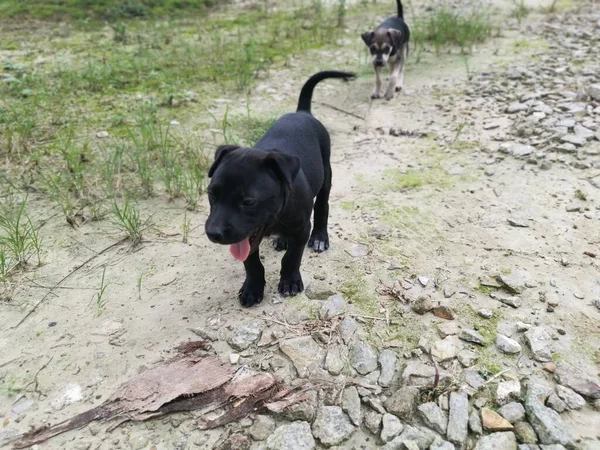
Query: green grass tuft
[452, 27]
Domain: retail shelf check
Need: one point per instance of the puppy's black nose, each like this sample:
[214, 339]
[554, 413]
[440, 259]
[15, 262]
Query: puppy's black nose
[216, 234]
[379, 63]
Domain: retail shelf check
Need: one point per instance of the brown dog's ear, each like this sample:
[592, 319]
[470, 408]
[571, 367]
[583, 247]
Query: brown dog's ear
[367, 36]
[395, 37]
[285, 166]
[220, 153]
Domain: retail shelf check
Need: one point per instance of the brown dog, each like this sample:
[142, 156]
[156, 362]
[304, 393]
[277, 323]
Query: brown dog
[388, 44]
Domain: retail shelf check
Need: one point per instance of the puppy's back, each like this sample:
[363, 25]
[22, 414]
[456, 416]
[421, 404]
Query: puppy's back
[302, 135]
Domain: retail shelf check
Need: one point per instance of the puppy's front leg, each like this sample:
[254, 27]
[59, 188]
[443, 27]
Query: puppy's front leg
[377, 92]
[395, 72]
[253, 288]
[403, 55]
[290, 283]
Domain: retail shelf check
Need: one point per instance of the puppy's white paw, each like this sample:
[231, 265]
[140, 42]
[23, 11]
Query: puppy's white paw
[389, 96]
[375, 96]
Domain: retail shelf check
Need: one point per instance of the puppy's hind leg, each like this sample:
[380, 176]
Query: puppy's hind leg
[253, 289]
[403, 56]
[377, 92]
[280, 243]
[319, 239]
[290, 282]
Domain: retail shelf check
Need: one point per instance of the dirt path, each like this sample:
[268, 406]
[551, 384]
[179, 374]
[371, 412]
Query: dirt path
[438, 193]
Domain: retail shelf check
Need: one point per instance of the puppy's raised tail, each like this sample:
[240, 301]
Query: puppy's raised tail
[400, 9]
[307, 90]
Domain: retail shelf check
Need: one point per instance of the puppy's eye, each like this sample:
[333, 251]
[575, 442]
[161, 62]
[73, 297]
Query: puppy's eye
[248, 202]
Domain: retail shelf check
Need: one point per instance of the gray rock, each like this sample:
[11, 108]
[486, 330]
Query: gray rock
[391, 427]
[513, 412]
[139, 440]
[411, 439]
[333, 307]
[434, 417]
[402, 403]
[552, 447]
[525, 433]
[577, 141]
[473, 379]
[246, 334]
[375, 403]
[304, 352]
[475, 423]
[418, 374]
[583, 132]
[336, 359]
[540, 343]
[571, 398]
[574, 378]
[517, 281]
[422, 305]
[347, 328]
[573, 108]
[22, 406]
[458, 418]
[332, 426]
[467, 358]
[363, 358]
[387, 362]
[448, 329]
[351, 405]
[497, 441]
[358, 251]
[516, 107]
[472, 336]
[440, 444]
[507, 345]
[529, 447]
[446, 349]
[373, 422]
[593, 90]
[546, 422]
[304, 411]
[293, 436]
[556, 403]
[512, 301]
[521, 151]
[318, 290]
[508, 391]
[263, 427]
[486, 313]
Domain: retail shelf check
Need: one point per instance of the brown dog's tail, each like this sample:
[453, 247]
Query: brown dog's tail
[307, 90]
[400, 9]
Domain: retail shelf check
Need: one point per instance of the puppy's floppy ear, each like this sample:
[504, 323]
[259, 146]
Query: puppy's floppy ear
[220, 153]
[285, 166]
[395, 37]
[367, 36]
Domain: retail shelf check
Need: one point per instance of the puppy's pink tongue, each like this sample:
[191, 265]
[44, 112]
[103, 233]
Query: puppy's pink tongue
[241, 250]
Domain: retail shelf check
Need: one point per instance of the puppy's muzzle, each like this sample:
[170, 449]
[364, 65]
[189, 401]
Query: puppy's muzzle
[217, 233]
[379, 63]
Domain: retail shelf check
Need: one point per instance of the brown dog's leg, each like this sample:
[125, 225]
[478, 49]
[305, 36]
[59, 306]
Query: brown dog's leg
[377, 92]
[403, 55]
[394, 75]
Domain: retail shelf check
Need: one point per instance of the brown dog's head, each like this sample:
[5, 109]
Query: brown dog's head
[382, 43]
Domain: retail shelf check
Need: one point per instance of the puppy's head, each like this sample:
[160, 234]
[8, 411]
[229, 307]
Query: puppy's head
[381, 44]
[248, 188]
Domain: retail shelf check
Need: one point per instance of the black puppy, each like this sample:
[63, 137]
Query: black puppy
[269, 189]
[389, 44]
